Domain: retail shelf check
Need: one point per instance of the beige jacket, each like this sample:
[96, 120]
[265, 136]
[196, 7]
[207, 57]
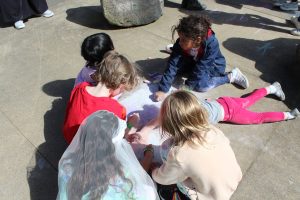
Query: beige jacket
[211, 170]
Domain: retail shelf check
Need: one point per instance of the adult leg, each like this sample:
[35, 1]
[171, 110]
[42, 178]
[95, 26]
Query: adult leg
[10, 11]
[39, 6]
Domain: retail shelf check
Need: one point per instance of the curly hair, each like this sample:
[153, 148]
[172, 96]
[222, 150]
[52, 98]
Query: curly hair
[192, 26]
[182, 117]
[95, 159]
[114, 70]
[95, 46]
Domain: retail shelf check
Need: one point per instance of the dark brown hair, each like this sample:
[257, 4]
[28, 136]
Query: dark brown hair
[192, 26]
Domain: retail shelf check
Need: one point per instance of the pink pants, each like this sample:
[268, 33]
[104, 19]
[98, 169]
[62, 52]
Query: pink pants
[235, 109]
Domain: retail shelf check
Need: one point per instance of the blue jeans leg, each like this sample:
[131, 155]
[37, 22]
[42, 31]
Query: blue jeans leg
[207, 83]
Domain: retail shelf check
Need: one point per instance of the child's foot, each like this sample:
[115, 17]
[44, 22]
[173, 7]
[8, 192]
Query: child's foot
[169, 48]
[292, 114]
[133, 121]
[48, 13]
[276, 89]
[236, 76]
[19, 24]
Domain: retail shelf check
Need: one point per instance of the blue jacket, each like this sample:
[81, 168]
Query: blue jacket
[210, 63]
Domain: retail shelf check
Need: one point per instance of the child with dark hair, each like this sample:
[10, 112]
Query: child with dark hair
[114, 75]
[196, 53]
[93, 49]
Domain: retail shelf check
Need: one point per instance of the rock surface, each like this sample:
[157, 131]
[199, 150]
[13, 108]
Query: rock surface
[128, 13]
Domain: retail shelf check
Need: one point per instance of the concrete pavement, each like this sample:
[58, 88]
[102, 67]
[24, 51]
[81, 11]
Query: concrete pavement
[38, 65]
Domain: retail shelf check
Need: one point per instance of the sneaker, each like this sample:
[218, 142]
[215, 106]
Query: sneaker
[295, 21]
[19, 24]
[292, 6]
[239, 78]
[195, 5]
[295, 32]
[295, 112]
[48, 13]
[169, 48]
[278, 2]
[279, 92]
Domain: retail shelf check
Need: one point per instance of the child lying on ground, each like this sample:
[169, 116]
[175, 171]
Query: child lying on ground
[200, 161]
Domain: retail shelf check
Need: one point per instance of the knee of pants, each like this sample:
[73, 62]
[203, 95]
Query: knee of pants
[202, 88]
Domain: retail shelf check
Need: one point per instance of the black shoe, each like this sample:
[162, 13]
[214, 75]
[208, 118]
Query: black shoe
[195, 5]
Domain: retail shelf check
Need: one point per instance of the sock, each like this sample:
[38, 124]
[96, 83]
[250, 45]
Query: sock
[271, 89]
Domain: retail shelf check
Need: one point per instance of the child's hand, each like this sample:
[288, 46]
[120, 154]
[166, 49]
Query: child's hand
[133, 138]
[134, 120]
[160, 96]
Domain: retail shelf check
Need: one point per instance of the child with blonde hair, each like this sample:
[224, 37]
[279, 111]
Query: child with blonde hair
[114, 75]
[201, 161]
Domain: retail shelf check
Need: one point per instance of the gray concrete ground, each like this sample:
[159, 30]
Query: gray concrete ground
[38, 65]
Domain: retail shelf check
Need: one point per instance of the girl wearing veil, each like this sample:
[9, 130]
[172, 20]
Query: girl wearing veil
[100, 164]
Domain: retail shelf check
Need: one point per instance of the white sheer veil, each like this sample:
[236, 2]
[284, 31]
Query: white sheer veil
[75, 156]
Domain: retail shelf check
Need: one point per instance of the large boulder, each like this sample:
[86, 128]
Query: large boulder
[128, 13]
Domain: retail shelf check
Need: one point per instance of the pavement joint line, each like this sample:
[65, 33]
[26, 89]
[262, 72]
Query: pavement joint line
[155, 34]
[20, 133]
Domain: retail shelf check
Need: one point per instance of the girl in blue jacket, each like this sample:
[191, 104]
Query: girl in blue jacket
[196, 53]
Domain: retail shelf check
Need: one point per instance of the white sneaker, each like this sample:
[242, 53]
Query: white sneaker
[19, 24]
[292, 6]
[279, 92]
[239, 78]
[295, 112]
[295, 32]
[48, 13]
[295, 21]
[169, 48]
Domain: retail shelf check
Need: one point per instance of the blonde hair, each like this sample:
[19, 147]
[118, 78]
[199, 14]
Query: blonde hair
[183, 118]
[114, 70]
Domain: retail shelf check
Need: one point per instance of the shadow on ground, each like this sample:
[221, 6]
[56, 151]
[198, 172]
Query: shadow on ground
[42, 178]
[89, 16]
[240, 3]
[275, 59]
[246, 20]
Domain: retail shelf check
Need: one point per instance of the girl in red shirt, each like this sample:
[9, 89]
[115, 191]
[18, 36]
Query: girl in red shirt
[114, 75]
